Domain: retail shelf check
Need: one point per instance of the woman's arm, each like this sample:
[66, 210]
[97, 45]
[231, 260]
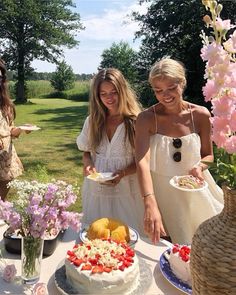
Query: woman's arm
[202, 121]
[152, 217]
[88, 165]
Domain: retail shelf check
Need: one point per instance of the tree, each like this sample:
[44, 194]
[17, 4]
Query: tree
[63, 78]
[122, 57]
[172, 28]
[35, 29]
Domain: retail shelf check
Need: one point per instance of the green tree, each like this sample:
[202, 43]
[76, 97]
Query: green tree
[122, 57]
[172, 28]
[63, 78]
[35, 29]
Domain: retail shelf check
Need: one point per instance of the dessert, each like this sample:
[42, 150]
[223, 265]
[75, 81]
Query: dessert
[102, 267]
[189, 182]
[179, 260]
[105, 228]
[95, 175]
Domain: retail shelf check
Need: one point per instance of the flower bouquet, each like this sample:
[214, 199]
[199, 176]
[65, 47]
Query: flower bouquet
[38, 209]
[220, 72]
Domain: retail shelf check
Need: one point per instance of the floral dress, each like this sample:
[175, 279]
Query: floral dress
[123, 201]
[10, 164]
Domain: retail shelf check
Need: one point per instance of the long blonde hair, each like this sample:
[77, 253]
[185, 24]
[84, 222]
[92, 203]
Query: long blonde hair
[168, 67]
[128, 107]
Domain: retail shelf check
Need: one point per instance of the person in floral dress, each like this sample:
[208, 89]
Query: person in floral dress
[10, 164]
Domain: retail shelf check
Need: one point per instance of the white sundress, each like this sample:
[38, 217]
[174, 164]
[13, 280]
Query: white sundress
[182, 212]
[123, 201]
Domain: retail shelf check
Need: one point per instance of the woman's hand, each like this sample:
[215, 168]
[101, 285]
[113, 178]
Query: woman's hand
[89, 170]
[88, 165]
[15, 132]
[118, 176]
[152, 220]
[197, 171]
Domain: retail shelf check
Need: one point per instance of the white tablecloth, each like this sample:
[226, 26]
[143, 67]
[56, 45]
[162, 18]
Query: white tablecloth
[147, 252]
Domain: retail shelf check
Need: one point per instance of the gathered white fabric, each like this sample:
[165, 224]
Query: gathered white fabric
[182, 212]
[122, 201]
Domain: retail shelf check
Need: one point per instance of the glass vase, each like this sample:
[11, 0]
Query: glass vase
[31, 258]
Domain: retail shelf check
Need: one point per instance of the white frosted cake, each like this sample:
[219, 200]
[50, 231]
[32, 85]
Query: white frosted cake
[102, 267]
[179, 261]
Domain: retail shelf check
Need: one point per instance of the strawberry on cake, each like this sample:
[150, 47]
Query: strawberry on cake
[102, 267]
[179, 261]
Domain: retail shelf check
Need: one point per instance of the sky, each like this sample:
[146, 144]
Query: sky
[105, 22]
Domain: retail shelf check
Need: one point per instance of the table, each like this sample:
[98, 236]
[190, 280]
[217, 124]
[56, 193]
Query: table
[148, 252]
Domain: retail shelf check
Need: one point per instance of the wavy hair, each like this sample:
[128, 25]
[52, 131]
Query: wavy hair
[6, 105]
[128, 106]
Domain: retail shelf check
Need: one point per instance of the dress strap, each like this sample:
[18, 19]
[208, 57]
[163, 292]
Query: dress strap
[155, 117]
[190, 109]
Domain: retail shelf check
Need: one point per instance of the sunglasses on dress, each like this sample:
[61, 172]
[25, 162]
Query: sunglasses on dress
[177, 143]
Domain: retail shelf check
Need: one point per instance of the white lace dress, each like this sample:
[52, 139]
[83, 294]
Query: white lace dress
[123, 201]
[182, 212]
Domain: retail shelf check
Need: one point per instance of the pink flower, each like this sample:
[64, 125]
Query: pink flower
[232, 121]
[209, 90]
[222, 25]
[9, 273]
[223, 106]
[220, 124]
[40, 289]
[230, 144]
[213, 53]
[219, 138]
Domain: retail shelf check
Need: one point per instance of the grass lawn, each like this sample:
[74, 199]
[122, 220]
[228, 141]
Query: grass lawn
[51, 152]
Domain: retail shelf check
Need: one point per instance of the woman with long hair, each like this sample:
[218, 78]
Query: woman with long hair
[10, 164]
[107, 139]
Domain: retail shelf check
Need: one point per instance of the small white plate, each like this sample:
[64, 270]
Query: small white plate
[134, 235]
[29, 127]
[173, 182]
[102, 177]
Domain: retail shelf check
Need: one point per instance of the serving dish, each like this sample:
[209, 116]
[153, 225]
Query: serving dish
[134, 235]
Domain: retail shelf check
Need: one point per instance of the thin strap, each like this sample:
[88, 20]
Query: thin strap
[190, 109]
[155, 116]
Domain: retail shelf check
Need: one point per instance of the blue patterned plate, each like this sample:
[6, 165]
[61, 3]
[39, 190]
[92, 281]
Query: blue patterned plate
[170, 276]
[133, 235]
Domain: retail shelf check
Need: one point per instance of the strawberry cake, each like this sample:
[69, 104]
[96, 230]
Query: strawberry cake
[102, 267]
[179, 261]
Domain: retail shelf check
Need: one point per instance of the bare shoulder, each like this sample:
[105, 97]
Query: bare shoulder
[200, 112]
[146, 117]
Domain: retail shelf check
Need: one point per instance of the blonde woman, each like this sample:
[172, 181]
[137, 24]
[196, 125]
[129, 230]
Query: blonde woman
[107, 139]
[172, 138]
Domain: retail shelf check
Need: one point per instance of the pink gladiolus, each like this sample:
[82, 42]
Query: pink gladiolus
[220, 124]
[213, 53]
[223, 106]
[222, 25]
[9, 273]
[210, 90]
[230, 144]
[219, 138]
[232, 121]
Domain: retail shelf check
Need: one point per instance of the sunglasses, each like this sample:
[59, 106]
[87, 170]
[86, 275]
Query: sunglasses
[177, 143]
